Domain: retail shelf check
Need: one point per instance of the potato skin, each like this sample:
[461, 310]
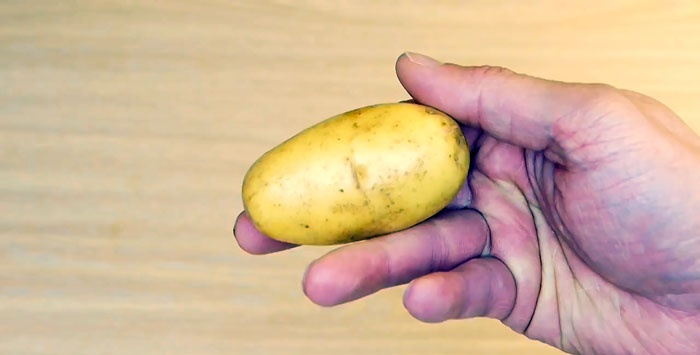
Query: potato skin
[364, 173]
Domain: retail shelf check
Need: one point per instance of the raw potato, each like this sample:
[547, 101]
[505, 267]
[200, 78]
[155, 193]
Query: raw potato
[361, 174]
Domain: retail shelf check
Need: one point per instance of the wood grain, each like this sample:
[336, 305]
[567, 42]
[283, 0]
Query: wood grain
[126, 128]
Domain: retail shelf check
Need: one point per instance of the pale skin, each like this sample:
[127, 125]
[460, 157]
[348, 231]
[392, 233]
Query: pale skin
[579, 226]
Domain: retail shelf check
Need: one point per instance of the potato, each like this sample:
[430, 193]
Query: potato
[361, 174]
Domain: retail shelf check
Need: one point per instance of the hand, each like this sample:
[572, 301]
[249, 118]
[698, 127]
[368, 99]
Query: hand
[581, 228]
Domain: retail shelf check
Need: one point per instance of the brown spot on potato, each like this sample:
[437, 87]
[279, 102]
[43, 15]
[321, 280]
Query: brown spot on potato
[431, 111]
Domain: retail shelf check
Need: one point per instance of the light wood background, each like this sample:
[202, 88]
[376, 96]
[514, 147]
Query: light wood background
[126, 128]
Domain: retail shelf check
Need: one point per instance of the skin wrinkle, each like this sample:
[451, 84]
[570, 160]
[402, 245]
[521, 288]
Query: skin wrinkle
[591, 301]
[479, 104]
[489, 295]
[464, 304]
[497, 182]
[486, 251]
[558, 300]
[536, 159]
[531, 165]
[440, 254]
[579, 290]
[486, 74]
[534, 162]
[485, 151]
[515, 288]
[386, 256]
[567, 133]
[635, 335]
[558, 289]
[665, 313]
[555, 201]
[573, 343]
[621, 203]
[539, 291]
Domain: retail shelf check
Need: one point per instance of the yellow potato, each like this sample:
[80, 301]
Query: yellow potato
[361, 174]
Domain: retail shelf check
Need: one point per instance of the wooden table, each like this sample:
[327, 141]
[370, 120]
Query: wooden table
[126, 128]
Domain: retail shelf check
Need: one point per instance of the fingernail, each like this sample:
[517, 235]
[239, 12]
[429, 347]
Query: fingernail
[421, 59]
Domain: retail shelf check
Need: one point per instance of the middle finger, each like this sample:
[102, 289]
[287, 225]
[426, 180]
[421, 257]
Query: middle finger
[357, 270]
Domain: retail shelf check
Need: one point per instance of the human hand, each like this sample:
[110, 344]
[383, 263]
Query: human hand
[579, 229]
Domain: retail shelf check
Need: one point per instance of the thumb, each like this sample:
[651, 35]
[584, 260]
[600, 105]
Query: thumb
[529, 112]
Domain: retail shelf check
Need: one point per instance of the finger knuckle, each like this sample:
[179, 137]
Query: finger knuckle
[491, 71]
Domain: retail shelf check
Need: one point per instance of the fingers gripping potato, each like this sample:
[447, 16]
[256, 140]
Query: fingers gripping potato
[361, 174]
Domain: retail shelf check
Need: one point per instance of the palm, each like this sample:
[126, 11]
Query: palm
[560, 225]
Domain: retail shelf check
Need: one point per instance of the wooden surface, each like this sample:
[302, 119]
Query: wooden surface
[126, 128]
